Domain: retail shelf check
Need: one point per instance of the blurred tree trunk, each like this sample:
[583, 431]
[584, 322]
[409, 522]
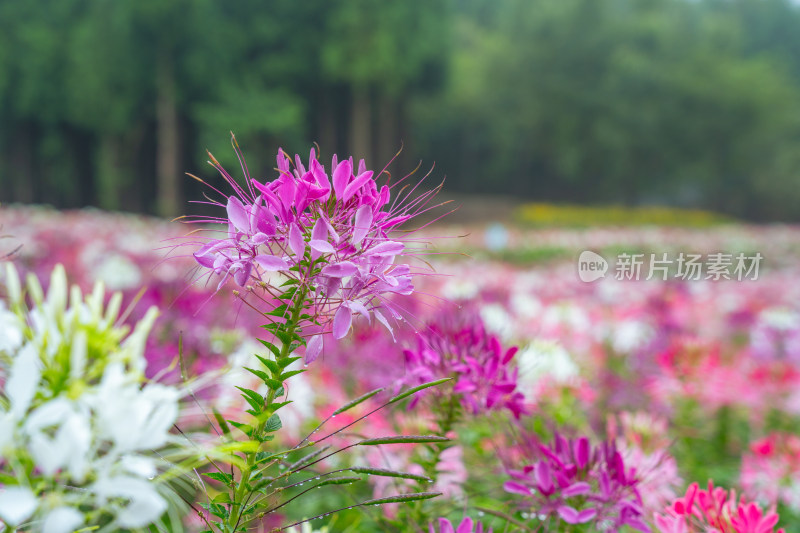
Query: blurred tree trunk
[388, 131]
[168, 139]
[360, 124]
[22, 169]
[327, 126]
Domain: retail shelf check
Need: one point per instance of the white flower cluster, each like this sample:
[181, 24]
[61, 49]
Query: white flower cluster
[77, 426]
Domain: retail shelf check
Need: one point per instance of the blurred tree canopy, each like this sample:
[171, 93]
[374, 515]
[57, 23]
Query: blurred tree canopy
[683, 102]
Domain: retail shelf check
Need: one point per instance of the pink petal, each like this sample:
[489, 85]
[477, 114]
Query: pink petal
[387, 248]
[465, 526]
[341, 322]
[321, 246]
[356, 184]
[382, 319]
[445, 526]
[296, 242]
[340, 270]
[271, 263]
[313, 349]
[361, 225]
[320, 231]
[237, 214]
[516, 488]
[340, 178]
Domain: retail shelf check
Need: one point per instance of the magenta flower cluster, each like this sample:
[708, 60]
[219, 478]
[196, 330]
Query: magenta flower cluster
[465, 350]
[330, 233]
[466, 526]
[575, 482]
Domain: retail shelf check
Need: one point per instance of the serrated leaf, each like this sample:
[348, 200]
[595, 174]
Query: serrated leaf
[277, 405]
[258, 373]
[278, 311]
[388, 473]
[288, 294]
[273, 384]
[286, 361]
[272, 366]
[216, 509]
[357, 401]
[219, 476]
[403, 439]
[287, 375]
[414, 390]
[400, 498]
[271, 347]
[255, 400]
[222, 497]
[273, 423]
[244, 428]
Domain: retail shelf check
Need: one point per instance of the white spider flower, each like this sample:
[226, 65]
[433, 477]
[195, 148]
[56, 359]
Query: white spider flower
[76, 406]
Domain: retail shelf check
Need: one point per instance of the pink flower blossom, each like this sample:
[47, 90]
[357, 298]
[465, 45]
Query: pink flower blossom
[330, 234]
[771, 470]
[715, 510]
[484, 379]
[574, 482]
[466, 526]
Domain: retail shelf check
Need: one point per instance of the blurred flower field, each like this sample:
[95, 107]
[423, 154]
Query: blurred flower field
[574, 406]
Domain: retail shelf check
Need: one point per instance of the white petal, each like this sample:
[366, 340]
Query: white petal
[12, 283]
[22, 381]
[62, 520]
[145, 504]
[17, 504]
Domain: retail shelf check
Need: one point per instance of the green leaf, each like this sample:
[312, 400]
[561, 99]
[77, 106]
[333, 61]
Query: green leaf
[244, 428]
[357, 401]
[403, 439]
[290, 281]
[287, 375]
[255, 400]
[288, 294]
[273, 423]
[220, 476]
[216, 509]
[272, 348]
[271, 408]
[221, 421]
[222, 497]
[278, 311]
[388, 473]
[273, 384]
[286, 361]
[272, 366]
[258, 373]
[414, 390]
[400, 498]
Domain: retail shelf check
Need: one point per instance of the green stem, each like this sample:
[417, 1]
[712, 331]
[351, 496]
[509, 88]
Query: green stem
[240, 493]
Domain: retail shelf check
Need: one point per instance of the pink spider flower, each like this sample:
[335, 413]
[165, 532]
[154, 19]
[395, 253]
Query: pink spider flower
[466, 526]
[330, 234]
[574, 482]
[715, 510]
[771, 470]
[484, 379]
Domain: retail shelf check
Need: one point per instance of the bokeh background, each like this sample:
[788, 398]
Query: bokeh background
[691, 103]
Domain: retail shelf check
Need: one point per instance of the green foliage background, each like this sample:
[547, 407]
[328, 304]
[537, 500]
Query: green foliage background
[682, 102]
